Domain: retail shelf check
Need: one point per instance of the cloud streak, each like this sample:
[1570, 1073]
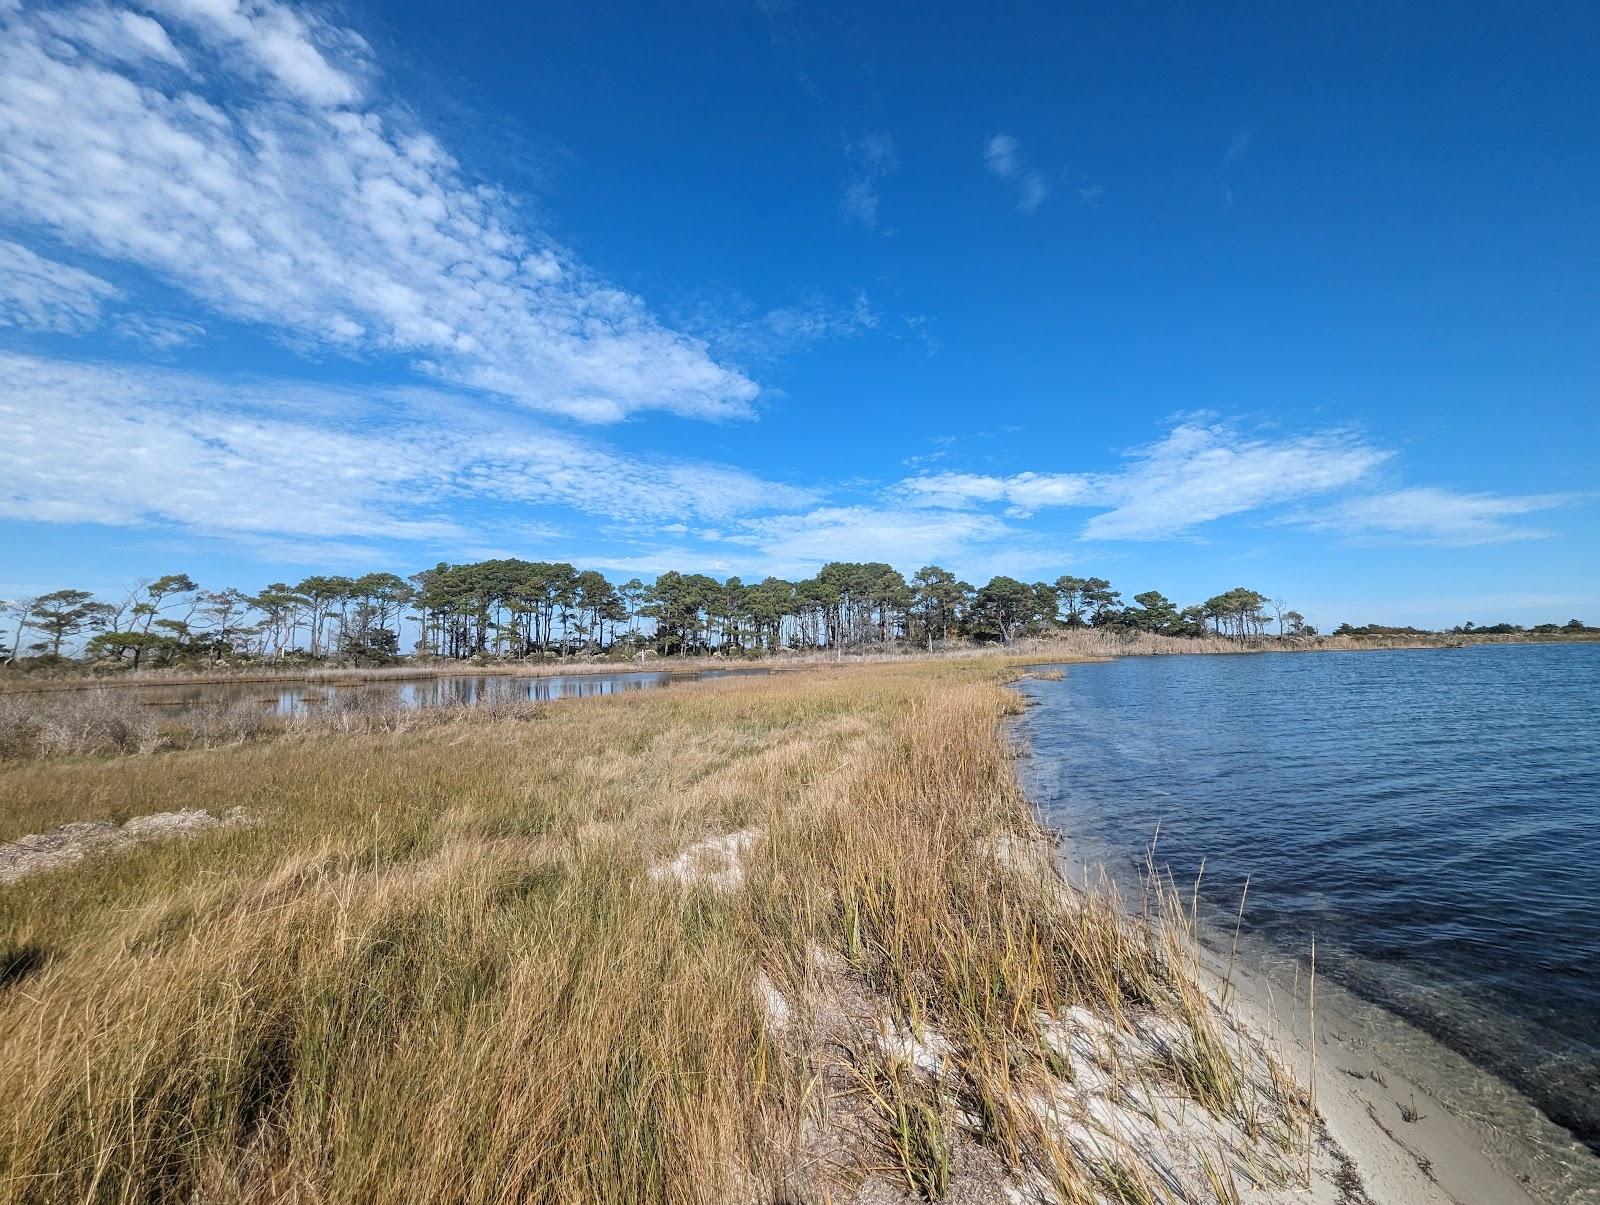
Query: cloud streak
[39, 294]
[1428, 515]
[905, 536]
[872, 159]
[160, 332]
[286, 468]
[94, 443]
[1002, 155]
[736, 331]
[1197, 474]
[296, 471]
[238, 152]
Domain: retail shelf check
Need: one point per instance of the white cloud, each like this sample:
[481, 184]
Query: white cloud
[800, 543]
[41, 295]
[1032, 189]
[288, 47]
[860, 202]
[872, 158]
[244, 163]
[1195, 475]
[161, 332]
[1002, 154]
[648, 561]
[95, 443]
[1426, 515]
[322, 554]
[786, 330]
[1023, 493]
[1238, 143]
[1198, 474]
[119, 36]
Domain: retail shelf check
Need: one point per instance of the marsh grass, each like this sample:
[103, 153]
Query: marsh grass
[438, 969]
[112, 721]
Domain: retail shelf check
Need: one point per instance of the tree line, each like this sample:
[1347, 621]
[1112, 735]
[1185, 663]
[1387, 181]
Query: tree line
[1573, 627]
[516, 608]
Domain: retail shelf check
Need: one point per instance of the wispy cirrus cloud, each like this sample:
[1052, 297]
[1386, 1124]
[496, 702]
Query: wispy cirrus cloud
[735, 329]
[298, 472]
[1002, 155]
[242, 153]
[40, 294]
[801, 542]
[119, 445]
[1428, 515]
[1022, 493]
[1201, 472]
[872, 158]
[797, 544]
[159, 332]
[1197, 474]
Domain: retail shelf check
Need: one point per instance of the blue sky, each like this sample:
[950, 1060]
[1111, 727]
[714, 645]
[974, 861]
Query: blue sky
[1187, 298]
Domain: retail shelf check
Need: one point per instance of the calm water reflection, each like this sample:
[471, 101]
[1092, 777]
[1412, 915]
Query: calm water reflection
[454, 690]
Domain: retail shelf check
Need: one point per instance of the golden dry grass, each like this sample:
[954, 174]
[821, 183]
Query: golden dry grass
[439, 968]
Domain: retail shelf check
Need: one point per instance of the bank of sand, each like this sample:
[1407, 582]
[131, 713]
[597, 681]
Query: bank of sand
[1362, 1085]
[1475, 1137]
[1419, 1123]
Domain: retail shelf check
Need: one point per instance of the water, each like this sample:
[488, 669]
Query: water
[1432, 816]
[294, 698]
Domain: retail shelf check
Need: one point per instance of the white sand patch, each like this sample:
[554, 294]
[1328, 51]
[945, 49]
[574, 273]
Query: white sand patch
[773, 1004]
[1033, 1190]
[72, 843]
[716, 862]
[922, 1049]
[1444, 1159]
[1106, 1100]
[1028, 856]
[825, 962]
[1115, 1105]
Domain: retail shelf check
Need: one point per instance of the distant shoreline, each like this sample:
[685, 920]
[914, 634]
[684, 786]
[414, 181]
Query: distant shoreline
[1074, 644]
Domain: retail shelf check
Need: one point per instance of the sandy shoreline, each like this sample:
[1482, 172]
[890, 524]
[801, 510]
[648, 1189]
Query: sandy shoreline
[1439, 1158]
[1476, 1130]
[1475, 1139]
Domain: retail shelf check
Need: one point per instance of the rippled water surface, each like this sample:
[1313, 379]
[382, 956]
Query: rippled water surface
[1432, 816]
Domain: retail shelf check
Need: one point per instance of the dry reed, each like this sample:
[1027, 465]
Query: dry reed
[109, 721]
[439, 969]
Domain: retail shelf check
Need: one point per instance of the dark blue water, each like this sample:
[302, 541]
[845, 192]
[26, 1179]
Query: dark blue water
[1433, 817]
